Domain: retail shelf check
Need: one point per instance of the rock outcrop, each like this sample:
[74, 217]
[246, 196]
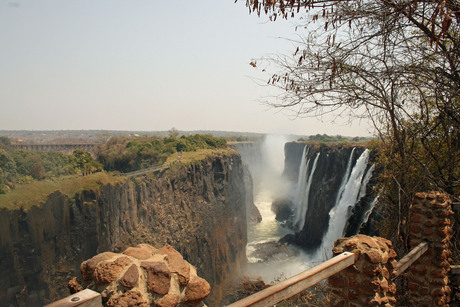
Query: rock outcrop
[198, 208]
[144, 276]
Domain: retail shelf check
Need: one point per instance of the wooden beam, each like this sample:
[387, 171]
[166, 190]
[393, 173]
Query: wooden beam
[297, 283]
[85, 298]
[410, 258]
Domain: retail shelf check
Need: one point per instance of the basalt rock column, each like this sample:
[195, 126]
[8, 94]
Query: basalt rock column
[368, 281]
[431, 220]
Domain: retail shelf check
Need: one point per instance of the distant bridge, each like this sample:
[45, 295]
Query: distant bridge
[65, 148]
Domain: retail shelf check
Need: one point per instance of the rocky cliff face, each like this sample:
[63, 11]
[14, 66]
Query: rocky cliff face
[327, 178]
[198, 209]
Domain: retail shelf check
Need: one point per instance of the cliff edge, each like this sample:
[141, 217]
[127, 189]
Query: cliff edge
[199, 209]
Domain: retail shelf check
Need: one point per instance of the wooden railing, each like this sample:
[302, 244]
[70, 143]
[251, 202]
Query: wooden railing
[306, 279]
[276, 293]
[297, 283]
[85, 298]
[410, 258]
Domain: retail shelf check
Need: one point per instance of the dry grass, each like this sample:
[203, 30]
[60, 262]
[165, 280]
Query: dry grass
[201, 154]
[27, 195]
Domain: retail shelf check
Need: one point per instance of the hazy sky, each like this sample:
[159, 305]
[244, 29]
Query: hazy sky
[141, 65]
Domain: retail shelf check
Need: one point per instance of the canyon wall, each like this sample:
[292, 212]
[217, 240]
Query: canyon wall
[199, 209]
[326, 181]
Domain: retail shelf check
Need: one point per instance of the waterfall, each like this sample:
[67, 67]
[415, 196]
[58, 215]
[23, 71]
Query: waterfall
[348, 198]
[345, 177]
[369, 211]
[303, 189]
[362, 191]
[301, 182]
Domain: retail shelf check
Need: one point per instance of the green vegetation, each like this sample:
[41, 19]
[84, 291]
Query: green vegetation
[27, 195]
[22, 167]
[337, 139]
[194, 156]
[127, 154]
[34, 169]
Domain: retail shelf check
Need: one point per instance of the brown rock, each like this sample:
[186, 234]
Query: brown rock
[127, 299]
[351, 244]
[130, 277]
[373, 256]
[176, 263]
[108, 271]
[415, 218]
[87, 267]
[424, 291]
[168, 250]
[169, 300]
[197, 290]
[74, 286]
[367, 240]
[138, 253]
[337, 250]
[415, 228]
[392, 253]
[158, 277]
[181, 267]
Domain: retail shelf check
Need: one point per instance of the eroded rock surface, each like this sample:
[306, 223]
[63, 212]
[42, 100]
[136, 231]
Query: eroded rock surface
[144, 276]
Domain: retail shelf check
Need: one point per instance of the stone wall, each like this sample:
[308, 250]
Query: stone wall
[369, 281]
[428, 276]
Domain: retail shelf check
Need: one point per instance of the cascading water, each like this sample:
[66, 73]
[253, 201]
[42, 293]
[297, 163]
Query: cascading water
[269, 259]
[362, 191]
[369, 211]
[345, 177]
[270, 185]
[303, 192]
[341, 211]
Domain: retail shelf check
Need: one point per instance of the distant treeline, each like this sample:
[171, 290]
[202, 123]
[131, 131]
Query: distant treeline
[126, 154]
[324, 138]
[123, 154]
[20, 166]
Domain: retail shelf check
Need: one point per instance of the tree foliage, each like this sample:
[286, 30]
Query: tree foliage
[21, 166]
[126, 154]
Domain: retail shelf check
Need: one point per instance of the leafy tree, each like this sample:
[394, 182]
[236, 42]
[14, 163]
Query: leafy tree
[85, 162]
[173, 132]
[5, 142]
[7, 171]
[128, 154]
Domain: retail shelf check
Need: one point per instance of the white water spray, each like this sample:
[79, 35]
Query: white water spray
[341, 211]
[303, 193]
[367, 214]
